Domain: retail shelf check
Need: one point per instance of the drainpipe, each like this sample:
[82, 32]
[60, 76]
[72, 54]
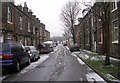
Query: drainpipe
[14, 24]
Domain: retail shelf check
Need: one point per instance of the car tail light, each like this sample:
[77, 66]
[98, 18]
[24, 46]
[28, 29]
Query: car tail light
[7, 56]
[30, 52]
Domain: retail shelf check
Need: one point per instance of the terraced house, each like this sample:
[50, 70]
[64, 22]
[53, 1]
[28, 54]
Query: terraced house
[99, 29]
[20, 25]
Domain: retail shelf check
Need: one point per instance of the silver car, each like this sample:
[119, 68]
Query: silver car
[33, 53]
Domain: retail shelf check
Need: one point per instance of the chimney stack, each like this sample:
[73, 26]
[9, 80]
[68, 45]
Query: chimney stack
[19, 7]
[34, 16]
[25, 8]
[30, 11]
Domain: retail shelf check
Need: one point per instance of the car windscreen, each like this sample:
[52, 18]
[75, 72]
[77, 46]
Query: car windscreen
[4, 48]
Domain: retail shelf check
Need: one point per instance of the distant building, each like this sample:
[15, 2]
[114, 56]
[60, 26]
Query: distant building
[47, 35]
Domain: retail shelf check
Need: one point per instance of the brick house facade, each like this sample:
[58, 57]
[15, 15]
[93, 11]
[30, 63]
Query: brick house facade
[19, 25]
[95, 35]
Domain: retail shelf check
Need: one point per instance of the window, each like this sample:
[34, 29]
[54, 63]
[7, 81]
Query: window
[9, 15]
[115, 4]
[92, 21]
[28, 26]
[1, 37]
[33, 29]
[115, 31]
[20, 22]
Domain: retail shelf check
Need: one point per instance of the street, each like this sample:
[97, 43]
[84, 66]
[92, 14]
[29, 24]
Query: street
[59, 65]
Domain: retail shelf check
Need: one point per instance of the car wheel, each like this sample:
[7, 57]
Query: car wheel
[34, 59]
[18, 66]
[38, 57]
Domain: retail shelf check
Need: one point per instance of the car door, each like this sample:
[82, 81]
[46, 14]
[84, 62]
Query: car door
[15, 50]
[23, 55]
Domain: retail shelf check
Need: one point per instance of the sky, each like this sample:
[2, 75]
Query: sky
[48, 12]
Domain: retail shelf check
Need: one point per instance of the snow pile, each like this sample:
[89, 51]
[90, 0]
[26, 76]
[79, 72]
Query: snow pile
[67, 47]
[80, 61]
[98, 58]
[118, 60]
[77, 52]
[88, 51]
[73, 55]
[110, 76]
[92, 76]
[84, 56]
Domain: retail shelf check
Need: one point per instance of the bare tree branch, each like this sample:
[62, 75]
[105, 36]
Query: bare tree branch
[69, 16]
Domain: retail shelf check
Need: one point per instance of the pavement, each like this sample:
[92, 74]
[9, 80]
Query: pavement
[85, 54]
[114, 61]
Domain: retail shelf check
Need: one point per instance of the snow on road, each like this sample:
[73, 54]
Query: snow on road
[35, 64]
[92, 76]
[80, 61]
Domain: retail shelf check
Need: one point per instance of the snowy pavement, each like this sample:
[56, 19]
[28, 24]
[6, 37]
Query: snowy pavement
[99, 56]
[84, 54]
[91, 75]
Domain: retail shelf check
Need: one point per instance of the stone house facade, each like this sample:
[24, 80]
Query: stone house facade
[97, 36]
[20, 25]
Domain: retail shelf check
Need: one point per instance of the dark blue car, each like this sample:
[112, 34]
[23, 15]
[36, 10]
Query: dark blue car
[13, 55]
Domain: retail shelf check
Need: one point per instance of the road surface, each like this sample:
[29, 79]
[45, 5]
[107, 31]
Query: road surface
[60, 65]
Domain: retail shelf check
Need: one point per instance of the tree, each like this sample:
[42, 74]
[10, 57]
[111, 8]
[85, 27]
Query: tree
[69, 16]
[105, 19]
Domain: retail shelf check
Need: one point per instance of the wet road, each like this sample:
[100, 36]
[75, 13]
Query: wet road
[59, 65]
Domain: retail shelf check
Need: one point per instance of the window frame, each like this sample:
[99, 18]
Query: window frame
[9, 15]
[28, 26]
[34, 29]
[20, 18]
[114, 6]
[115, 39]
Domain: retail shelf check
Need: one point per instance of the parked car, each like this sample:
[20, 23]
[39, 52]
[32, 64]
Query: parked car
[45, 48]
[13, 55]
[74, 48]
[65, 44]
[33, 52]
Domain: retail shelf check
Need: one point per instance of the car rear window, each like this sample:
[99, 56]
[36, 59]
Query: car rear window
[32, 48]
[4, 47]
[27, 48]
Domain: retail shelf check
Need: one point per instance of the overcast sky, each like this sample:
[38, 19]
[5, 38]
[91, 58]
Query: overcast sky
[48, 12]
